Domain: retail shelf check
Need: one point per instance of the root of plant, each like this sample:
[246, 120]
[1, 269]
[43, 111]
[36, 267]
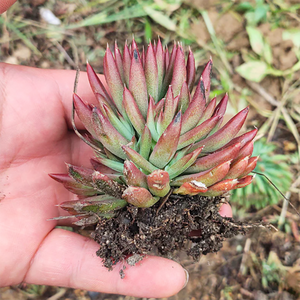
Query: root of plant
[185, 223]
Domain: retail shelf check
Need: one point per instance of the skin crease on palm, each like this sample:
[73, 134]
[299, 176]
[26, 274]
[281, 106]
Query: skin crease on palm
[36, 138]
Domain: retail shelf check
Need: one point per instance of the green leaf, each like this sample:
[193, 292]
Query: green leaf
[253, 70]
[267, 52]
[292, 34]
[148, 30]
[22, 36]
[160, 18]
[135, 11]
[261, 12]
[256, 40]
[244, 6]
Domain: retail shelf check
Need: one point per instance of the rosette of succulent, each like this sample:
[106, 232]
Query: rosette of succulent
[163, 159]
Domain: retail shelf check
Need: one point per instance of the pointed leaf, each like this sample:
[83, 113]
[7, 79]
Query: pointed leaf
[138, 160]
[159, 183]
[191, 188]
[133, 175]
[106, 185]
[98, 166]
[102, 101]
[190, 70]
[182, 164]
[117, 166]
[119, 62]
[73, 186]
[113, 79]
[96, 84]
[244, 182]
[251, 166]
[184, 98]
[97, 204]
[158, 107]
[166, 146]
[197, 133]
[126, 64]
[84, 112]
[209, 110]
[245, 151]
[221, 107]
[160, 60]
[212, 160]
[126, 131]
[133, 46]
[221, 187]
[137, 83]
[166, 58]
[178, 155]
[133, 112]
[206, 75]
[107, 134]
[168, 112]
[179, 71]
[81, 175]
[193, 113]
[111, 156]
[200, 92]
[151, 73]
[169, 72]
[238, 168]
[145, 142]
[143, 58]
[225, 134]
[150, 119]
[208, 177]
[244, 138]
[217, 126]
[139, 197]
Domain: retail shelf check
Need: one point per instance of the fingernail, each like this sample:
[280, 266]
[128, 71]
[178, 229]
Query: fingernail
[187, 276]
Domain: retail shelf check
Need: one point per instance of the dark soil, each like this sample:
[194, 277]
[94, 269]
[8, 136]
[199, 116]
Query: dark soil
[189, 223]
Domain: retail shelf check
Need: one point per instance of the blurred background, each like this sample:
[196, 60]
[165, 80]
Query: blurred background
[255, 46]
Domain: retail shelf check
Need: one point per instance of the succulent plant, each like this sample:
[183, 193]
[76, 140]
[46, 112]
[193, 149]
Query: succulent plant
[275, 166]
[162, 160]
[153, 136]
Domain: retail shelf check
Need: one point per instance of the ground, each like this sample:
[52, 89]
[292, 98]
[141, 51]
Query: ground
[263, 264]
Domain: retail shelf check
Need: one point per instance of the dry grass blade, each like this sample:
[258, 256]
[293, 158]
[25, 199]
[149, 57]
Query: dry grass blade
[216, 41]
[21, 36]
[286, 202]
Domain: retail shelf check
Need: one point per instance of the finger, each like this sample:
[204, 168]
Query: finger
[52, 85]
[225, 210]
[68, 259]
[5, 4]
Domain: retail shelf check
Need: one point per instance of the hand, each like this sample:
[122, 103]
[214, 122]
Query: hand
[36, 138]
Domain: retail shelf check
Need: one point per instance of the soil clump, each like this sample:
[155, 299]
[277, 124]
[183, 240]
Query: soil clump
[182, 223]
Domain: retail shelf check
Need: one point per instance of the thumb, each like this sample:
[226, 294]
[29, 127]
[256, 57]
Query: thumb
[5, 4]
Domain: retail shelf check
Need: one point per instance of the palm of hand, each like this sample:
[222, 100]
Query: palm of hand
[36, 139]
